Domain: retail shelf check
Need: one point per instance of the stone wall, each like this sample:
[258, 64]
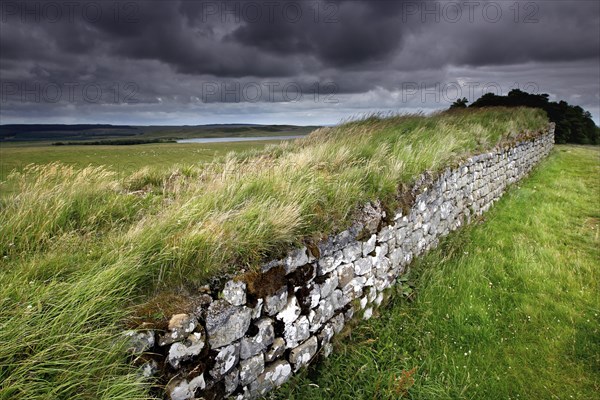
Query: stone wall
[252, 335]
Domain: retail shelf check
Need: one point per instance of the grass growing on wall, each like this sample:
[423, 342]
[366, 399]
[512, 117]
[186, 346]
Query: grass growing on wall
[509, 309]
[81, 246]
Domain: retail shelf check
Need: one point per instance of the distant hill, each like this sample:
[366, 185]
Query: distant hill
[81, 132]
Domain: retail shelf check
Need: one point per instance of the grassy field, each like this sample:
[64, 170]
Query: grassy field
[83, 248]
[509, 309]
[122, 159]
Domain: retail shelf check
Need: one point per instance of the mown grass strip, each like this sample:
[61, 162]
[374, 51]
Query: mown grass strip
[506, 309]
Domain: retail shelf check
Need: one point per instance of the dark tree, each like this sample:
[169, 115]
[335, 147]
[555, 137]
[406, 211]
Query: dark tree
[460, 103]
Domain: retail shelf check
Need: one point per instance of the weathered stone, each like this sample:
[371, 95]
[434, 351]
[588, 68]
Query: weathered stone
[381, 266]
[329, 284]
[251, 368]
[148, 369]
[276, 351]
[369, 245]
[363, 303]
[378, 299]
[345, 273]
[326, 334]
[401, 236]
[139, 341]
[386, 233]
[381, 250]
[290, 312]
[339, 299]
[226, 323]
[257, 310]
[179, 326]
[351, 252]
[250, 346]
[354, 289]
[234, 292]
[371, 294]
[296, 332]
[314, 319]
[231, 381]
[349, 314]
[327, 349]
[326, 307]
[182, 351]
[295, 259]
[276, 302]
[274, 376]
[329, 263]
[395, 257]
[314, 295]
[371, 215]
[300, 356]
[362, 266]
[226, 359]
[184, 390]
[337, 322]
[368, 313]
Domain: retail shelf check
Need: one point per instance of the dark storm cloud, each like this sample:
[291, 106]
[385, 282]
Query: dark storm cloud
[174, 51]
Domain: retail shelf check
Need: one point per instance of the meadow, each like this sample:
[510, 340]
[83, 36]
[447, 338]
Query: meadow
[124, 160]
[84, 249]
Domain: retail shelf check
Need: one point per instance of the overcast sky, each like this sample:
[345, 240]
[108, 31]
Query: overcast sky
[301, 62]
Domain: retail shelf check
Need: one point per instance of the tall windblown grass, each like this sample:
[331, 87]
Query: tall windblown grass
[80, 247]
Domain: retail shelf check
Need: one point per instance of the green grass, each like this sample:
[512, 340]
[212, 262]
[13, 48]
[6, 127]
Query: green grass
[82, 247]
[508, 309]
[122, 159]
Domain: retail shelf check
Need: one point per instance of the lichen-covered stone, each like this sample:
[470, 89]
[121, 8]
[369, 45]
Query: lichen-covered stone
[295, 259]
[363, 302]
[250, 346]
[226, 323]
[296, 332]
[257, 310]
[148, 369]
[354, 289]
[326, 334]
[184, 390]
[234, 292]
[274, 376]
[351, 252]
[139, 341]
[329, 263]
[328, 285]
[181, 351]
[339, 299]
[386, 233]
[369, 245]
[345, 273]
[276, 302]
[276, 351]
[251, 368]
[226, 359]
[362, 266]
[180, 325]
[314, 295]
[301, 355]
[327, 349]
[290, 312]
[231, 381]
[337, 322]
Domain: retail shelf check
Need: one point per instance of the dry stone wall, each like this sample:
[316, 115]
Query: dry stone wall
[254, 334]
